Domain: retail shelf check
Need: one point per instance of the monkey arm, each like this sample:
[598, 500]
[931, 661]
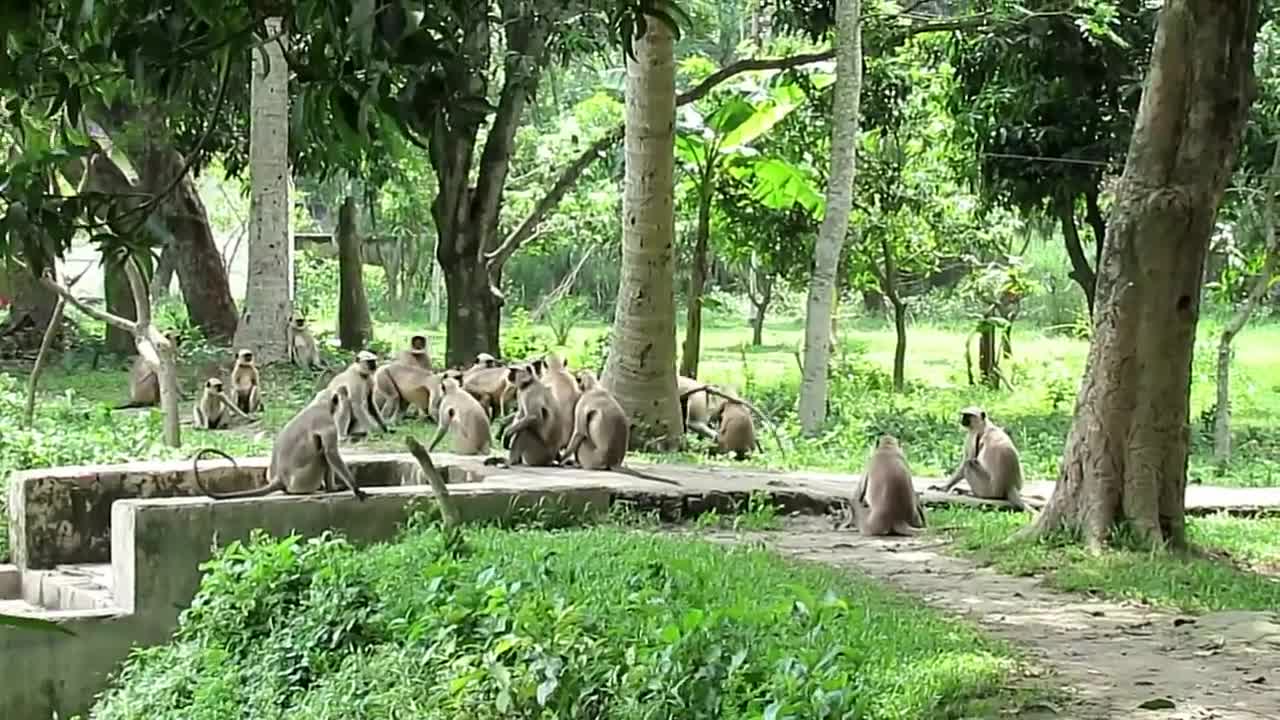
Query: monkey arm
[520, 425]
[571, 450]
[338, 467]
[226, 402]
[445, 422]
[702, 429]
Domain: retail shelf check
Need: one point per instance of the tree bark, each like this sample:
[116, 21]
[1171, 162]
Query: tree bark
[889, 284]
[354, 325]
[761, 298]
[641, 370]
[1098, 223]
[1126, 453]
[162, 278]
[1222, 422]
[1064, 204]
[835, 223]
[268, 301]
[119, 300]
[698, 278]
[191, 249]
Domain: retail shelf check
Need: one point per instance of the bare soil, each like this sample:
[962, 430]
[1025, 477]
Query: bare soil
[1115, 660]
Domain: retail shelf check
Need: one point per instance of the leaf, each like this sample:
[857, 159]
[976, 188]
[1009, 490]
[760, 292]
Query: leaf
[669, 634]
[545, 689]
[757, 124]
[771, 712]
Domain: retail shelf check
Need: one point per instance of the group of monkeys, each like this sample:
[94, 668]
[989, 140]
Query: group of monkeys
[886, 503]
[560, 418]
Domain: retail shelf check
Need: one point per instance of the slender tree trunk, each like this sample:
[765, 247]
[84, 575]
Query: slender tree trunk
[162, 278]
[268, 298]
[115, 288]
[761, 298]
[355, 329]
[1126, 454]
[835, 223]
[697, 281]
[641, 367]
[1097, 223]
[1064, 204]
[889, 284]
[1222, 423]
[988, 357]
[191, 249]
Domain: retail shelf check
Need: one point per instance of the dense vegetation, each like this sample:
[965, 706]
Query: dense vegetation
[595, 623]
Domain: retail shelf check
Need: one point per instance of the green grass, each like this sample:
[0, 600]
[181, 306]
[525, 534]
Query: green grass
[602, 622]
[1226, 577]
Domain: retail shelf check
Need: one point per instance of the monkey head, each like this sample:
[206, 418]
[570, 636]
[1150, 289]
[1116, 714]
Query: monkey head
[538, 365]
[213, 385]
[453, 374]
[522, 375]
[485, 360]
[418, 344]
[586, 379]
[299, 322]
[244, 357]
[887, 441]
[367, 362]
[450, 384]
[973, 418]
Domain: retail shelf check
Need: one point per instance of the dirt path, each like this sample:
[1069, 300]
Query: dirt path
[1112, 657]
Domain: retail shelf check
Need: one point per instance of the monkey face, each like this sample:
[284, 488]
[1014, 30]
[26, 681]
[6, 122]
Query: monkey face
[969, 415]
[485, 360]
[417, 343]
[214, 385]
[299, 323]
[245, 356]
[521, 375]
[367, 361]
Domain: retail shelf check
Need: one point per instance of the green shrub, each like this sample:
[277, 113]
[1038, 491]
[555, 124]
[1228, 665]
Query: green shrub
[599, 623]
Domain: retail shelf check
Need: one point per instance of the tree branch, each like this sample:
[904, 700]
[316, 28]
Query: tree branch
[116, 321]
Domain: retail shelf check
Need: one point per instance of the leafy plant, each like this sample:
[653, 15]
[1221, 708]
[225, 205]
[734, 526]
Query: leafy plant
[564, 315]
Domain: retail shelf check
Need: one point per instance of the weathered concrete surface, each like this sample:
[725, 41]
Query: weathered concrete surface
[63, 515]
[158, 545]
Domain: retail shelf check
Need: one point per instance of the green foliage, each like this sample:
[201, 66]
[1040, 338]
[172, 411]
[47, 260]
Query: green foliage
[1241, 581]
[564, 315]
[602, 623]
[521, 338]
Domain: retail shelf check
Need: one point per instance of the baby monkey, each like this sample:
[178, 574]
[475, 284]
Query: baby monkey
[211, 408]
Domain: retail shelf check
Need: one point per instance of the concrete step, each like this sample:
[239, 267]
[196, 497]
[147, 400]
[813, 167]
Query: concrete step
[21, 608]
[69, 587]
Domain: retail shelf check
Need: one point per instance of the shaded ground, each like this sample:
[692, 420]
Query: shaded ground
[1117, 661]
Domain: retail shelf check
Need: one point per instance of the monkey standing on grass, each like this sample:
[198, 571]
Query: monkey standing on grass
[991, 464]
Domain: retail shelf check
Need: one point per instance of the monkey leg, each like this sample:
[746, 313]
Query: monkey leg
[980, 481]
[440, 431]
[702, 428]
[255, 400]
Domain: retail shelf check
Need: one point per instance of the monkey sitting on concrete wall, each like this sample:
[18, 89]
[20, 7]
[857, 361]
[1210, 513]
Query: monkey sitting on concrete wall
[303, 350]
[601, 432]
[305, 457]
[535, 431]
[398, 386]
[211, 409]
[245, 390]
[991, 464]
[460, 412]
[356, 418]
[894, 507]
[564, 393]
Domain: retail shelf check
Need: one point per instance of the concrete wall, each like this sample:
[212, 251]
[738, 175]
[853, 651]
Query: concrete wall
[157, 546]
[63, 515]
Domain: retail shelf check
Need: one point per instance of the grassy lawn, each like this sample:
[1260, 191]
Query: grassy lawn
[1239, 573]
[537, 624]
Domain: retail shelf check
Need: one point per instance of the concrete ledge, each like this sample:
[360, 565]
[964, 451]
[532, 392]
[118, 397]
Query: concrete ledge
[63, 515]
[158, 544]
[10, 582]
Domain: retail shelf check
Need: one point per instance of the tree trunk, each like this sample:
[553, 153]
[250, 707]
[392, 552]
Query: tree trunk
[1126, 454]
[988, 358]
[1064, 204]
[162, 278]
[115, 286]
[192, 251]
[641, 367]
[835, 223]
[760, 301]
[1222, 422]
[472, 313]
[697, 281]
[1098, 223]
[354, 326]
[268, 298]
[889, 284]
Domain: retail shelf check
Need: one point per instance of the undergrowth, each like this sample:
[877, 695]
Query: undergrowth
[590, 623]
[1234, 568]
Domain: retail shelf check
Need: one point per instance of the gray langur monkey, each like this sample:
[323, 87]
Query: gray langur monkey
[460, 412]
[991, 464]
[245, 388]
[535, 431]
[305, 458]
[893, 507]
[210, 410]
[564, 393]
[418, 353]
[357, 418]
[303, 350]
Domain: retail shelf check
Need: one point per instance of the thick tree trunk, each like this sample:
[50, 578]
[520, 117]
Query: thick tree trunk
[472, 314]
[1064, 204]
[268, 301]
[697, 283]
[354, 326]
[115, 286]
[641, 367]
[191, 249]
[818, 333]
[1222, 422]
[1126, 454]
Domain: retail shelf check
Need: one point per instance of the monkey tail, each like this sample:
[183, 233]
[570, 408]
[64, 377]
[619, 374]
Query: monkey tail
[195, 468]
[644, 476]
